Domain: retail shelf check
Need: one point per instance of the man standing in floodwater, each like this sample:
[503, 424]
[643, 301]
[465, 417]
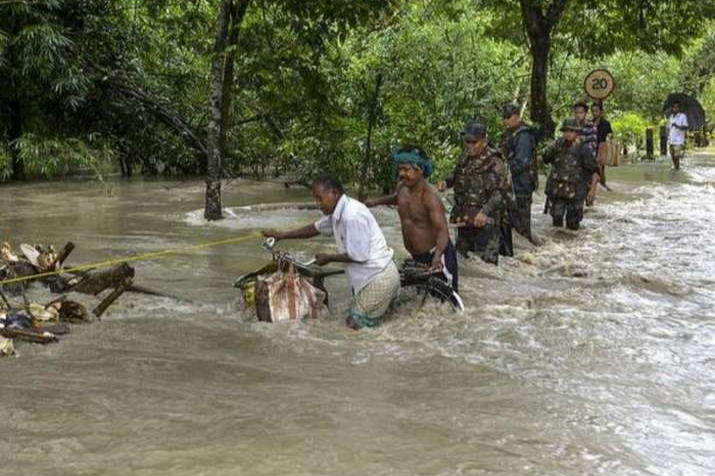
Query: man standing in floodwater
[519, 148]
[572, 162]
[372, 274]
[589, 136]
[603, 131]
[677, 127]
[425, 232]
[482, 191]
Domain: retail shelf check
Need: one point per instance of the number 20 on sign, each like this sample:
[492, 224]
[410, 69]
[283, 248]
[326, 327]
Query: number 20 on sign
[599, 84]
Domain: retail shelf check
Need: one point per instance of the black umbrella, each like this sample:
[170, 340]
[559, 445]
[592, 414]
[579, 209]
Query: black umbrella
[690, 106]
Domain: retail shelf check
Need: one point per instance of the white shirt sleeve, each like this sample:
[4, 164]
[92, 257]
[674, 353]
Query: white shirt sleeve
[683, 120]
[358, 235]
[325, 226]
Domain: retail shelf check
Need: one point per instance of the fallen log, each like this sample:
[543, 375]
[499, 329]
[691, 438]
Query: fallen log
[134, 288]
[55, 329]
[69, 311]
[43, 324]
[69, 247]
[37, 336]
[96, 282]
[113, 296]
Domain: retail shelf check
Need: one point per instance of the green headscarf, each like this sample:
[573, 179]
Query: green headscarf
[415, 159]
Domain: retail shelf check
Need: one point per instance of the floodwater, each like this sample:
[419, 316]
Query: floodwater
[592, 354]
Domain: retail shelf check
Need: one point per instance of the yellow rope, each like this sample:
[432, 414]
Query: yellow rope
[129, 259]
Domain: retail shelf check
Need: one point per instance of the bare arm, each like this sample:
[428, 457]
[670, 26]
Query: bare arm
[386, 200]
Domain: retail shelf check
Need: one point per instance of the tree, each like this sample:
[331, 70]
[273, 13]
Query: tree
[63, 63]
[35, 67]
[312, 22]
[231, 13]
[594, 29]
[699, 67]
[539, 25]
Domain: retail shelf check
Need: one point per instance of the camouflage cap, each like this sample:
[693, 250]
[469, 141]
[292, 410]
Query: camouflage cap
[570, 124]
[474, 131]
[509, 109]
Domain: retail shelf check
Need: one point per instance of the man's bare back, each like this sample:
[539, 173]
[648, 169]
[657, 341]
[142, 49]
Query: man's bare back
[419, 207]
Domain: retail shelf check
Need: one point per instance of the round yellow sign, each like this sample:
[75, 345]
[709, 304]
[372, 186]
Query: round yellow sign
[599, 84]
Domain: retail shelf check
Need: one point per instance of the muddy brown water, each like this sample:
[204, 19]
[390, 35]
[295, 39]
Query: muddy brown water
[589, 355]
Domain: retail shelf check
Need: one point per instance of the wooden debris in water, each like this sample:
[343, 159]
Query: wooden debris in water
[38, 323]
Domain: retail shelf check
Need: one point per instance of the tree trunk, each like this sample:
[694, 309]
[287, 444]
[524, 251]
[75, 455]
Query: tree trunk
[17, 165]
[540, 110]
[539, 25]
[230, 16]
[372, 118]
[212, 205]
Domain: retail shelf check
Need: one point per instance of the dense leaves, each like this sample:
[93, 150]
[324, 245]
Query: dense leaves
[318, 85]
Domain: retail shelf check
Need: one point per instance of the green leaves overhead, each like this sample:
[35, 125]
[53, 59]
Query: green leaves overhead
[307, 73]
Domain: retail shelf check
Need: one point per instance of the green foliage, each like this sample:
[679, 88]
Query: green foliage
[698, 66]
[643, 81]
[5, 170]
[630, 128]
[306, 76]
[438, 72]
[649, 26]
[708, 100]
[592, 30]
[53, 157]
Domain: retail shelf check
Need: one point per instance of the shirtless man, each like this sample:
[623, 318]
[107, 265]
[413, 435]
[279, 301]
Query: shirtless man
[425, 233]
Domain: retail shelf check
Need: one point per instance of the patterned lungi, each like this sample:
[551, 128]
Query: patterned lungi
[374, 300]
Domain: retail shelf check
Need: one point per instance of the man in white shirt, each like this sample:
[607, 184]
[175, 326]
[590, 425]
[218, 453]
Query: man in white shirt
[373, 276]
[677, 126]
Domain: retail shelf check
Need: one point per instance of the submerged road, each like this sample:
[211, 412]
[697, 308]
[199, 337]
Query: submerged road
[591, 354]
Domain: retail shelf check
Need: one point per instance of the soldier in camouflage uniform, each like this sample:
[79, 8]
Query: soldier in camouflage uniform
[572, 163]
[519, 147]
[481, 193]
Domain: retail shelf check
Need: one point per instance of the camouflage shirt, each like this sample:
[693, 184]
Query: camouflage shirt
[481, 183]
[571, 166]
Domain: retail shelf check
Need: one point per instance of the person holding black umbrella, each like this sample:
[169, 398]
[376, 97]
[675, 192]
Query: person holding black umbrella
[677, 127]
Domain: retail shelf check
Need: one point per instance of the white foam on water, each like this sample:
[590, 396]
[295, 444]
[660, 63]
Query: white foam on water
[240, 219]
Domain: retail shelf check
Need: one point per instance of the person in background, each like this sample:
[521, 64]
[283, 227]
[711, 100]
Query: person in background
[588, 136]
[603, 131]
[677, 127]
[519, 148]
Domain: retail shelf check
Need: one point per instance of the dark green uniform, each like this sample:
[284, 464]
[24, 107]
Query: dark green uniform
[566, 188]
[519, 147]
[481, 184]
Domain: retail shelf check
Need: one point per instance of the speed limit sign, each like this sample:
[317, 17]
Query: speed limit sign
[599, 84]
